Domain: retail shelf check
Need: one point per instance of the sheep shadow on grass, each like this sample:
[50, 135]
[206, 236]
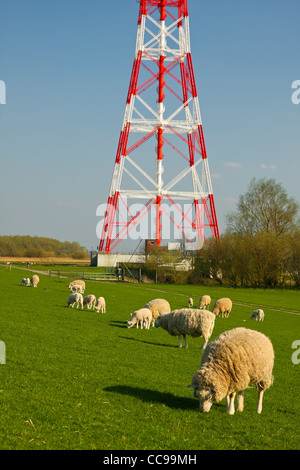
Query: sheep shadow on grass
[149, 342]
[151, 396]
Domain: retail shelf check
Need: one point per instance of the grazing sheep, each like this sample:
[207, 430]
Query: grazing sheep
[188, 321]
[143, 316]
[89, 301]
[25, 281]
[235, 359]
[77, 288]
[223, 306]
[35, 280]
[78, 282]
[191, 302]
[75, 299]
[101, 305]
[258, 315]
[158, 307]
[204, 302]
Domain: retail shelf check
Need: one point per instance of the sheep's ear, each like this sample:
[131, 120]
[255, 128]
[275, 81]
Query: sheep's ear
[214, 389]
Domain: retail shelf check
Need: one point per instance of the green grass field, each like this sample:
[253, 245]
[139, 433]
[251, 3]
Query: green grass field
[78, 379]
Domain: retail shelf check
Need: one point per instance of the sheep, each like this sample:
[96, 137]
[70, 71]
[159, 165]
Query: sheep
[77, 282]
[25, 281]
[35, 280]
[191, 302]
[75, 298]
[223, 306]
[188, 321]
[235, 359]
[101, 305]
[204, 302]
[143, 316]
[89, 301]
[158, 308]
[258, 315]
[77, 288]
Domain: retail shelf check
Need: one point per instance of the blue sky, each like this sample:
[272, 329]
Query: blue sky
[66, 65]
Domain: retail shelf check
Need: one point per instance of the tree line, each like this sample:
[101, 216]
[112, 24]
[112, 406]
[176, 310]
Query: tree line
[261, 245]
[38, 247]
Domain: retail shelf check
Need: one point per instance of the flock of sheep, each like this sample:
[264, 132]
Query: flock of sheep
[230, 363]
[77, 288]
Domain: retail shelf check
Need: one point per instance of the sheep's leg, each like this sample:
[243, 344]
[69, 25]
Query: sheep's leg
[185, 341]
[179, 337]
[240, 400]
[231, 403]
[259, 402]
[227, 402]
[204, 344]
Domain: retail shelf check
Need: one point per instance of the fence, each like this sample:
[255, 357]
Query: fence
[101, 276]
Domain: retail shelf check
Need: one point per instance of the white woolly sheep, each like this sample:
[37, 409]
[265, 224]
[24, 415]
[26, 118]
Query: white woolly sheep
[35, 280]
[204, 302]
[158, 307]
[188, 321]
[101, 305]
[258, 314]
[25, 281]
[77, 282]
[75, 299]
[77, 288]
[143, 316]
[235, 359]
[89, 301]
[191, 302]
[223, 306]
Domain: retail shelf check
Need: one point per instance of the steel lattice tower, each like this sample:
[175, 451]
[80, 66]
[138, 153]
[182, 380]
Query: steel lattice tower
[161, 133]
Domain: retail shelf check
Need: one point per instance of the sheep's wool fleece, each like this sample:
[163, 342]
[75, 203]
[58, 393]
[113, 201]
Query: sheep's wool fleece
[193, 322]
[158, 307]
[235, 359]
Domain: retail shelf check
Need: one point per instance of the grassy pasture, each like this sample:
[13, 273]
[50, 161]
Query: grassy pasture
[81, 380]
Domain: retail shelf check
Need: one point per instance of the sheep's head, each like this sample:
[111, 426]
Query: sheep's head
[206, 393]
[157, 322]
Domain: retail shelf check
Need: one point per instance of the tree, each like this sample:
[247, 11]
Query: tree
[266, 207]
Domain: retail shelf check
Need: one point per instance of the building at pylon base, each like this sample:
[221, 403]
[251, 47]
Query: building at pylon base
[161, 186]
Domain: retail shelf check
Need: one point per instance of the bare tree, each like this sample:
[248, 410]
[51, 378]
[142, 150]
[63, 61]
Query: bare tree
[266, 207]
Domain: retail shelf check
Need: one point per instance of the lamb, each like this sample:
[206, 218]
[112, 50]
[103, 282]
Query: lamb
[78, 282]
[223, 306]
[77, 288]
[89, 301]
[75, 299]
[25, 281]
[258, 314]
[158, 307]
[204, 302]
[35, 280]
[191, 302]
[188, 321]
[235, 359]
[101, 305]
[143, 316]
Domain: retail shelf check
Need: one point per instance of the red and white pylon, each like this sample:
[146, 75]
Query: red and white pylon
[162, 103]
